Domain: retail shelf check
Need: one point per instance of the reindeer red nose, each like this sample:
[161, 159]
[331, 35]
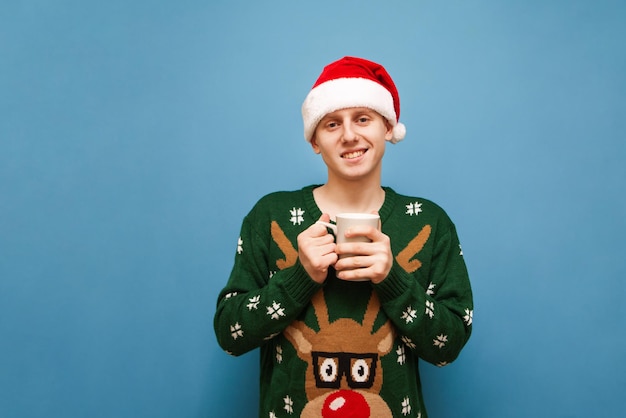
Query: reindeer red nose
[345, 404]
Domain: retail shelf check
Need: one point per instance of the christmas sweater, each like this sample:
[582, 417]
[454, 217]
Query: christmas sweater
[326, 349]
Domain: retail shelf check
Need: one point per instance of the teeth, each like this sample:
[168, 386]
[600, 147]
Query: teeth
[354, 154]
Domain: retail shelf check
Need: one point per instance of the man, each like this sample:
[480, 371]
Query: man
[341, 326]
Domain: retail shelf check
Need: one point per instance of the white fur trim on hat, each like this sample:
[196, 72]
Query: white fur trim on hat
[399, 132]
[342, 93]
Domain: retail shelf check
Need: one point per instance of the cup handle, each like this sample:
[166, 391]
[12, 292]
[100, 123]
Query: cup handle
[328, 225]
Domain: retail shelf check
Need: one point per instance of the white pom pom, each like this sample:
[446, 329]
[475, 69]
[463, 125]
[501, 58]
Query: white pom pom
[399, 131]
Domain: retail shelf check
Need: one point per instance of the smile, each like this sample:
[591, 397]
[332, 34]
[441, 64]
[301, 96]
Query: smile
[353, 154]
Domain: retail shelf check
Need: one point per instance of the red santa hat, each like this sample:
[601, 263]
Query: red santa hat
[353, 82]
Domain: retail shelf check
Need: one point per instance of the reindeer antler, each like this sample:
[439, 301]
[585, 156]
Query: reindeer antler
[291, 255]
[321, 310]
[373, 307]
[385, 334]
[413, 247]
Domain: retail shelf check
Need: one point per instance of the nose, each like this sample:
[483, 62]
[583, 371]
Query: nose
[348, 134]
[346, 403]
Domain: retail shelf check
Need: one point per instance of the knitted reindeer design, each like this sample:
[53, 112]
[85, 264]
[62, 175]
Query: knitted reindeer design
[343, 370]
[344, 376]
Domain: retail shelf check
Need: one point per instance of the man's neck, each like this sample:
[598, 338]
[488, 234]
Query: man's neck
[336, 197]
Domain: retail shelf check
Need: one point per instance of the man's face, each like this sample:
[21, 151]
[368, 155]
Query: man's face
[352, 143]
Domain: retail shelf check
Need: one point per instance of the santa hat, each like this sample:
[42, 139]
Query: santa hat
[353, 82]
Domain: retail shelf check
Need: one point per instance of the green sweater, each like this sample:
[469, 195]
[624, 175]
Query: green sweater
[338, 346]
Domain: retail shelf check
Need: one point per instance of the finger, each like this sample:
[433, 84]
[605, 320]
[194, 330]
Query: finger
[315, 247]
[354, 274]
[323, 261]
[326, 248]
[351, 263]
[362, 231]
[317, 230]
[374, 273]
[355, 248]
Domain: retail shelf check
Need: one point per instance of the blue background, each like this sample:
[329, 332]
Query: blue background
[135, 135]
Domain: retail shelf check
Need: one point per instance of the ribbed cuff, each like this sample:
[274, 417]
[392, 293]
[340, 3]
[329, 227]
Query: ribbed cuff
[394, 286]
[299, 286]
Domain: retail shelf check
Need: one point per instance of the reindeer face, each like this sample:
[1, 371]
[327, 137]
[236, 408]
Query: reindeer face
[343, 374]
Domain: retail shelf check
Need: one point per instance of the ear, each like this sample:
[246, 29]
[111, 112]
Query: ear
[295, 333]
[389, 133]
[386, 343]
[316, 148]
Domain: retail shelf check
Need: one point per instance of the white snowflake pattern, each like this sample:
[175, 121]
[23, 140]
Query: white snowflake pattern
[239, 246]
[288, 404]
[469, 317]
[273, 415]
[275, 311]
[230, 295]
[296, 216]
[460, 250]
[409, 315]
[401, 355]
[236, 331]
[254, 302]
[413, 208]
[406, 406]
[430, 309]
[408, 342]
[272, 273]
[431, 289]
[440, 341]
[269, 337]
[279, 354]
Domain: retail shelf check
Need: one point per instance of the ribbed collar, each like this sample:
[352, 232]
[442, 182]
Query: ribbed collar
[385, 210]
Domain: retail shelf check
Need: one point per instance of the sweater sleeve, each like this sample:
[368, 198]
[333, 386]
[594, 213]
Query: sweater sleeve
[434, 321]
[253, 308]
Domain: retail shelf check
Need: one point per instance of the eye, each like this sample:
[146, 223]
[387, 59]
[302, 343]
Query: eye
[331, 124]
[328, 370]
[360, 371]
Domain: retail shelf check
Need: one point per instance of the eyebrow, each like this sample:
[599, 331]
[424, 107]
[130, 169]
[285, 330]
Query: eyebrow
[355, 112]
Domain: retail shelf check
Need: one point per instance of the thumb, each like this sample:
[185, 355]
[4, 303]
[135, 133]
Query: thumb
[325, 217]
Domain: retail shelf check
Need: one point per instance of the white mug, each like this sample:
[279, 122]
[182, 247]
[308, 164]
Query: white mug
[344, 221]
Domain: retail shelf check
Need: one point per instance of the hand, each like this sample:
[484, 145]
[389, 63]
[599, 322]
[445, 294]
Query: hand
[316, 250]
[367, 260]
